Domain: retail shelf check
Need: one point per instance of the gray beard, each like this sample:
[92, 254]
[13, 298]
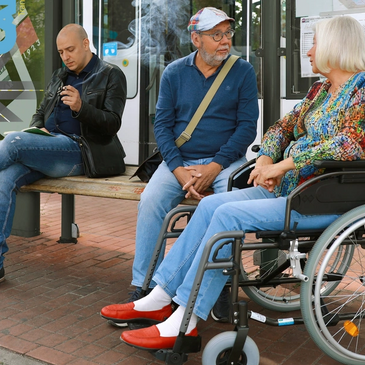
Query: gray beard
[211, 60]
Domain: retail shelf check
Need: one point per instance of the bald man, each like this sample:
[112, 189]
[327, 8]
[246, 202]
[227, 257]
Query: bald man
[87, 98]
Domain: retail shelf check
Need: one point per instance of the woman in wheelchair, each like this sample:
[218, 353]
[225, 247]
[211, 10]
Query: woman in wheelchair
[328, 124]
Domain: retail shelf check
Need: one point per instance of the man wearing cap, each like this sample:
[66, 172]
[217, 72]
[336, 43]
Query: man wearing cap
[219, 142]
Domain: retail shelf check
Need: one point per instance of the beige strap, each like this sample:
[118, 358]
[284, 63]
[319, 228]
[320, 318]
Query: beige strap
[186, 134]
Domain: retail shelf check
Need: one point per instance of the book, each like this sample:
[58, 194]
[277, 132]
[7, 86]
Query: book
[34, 130]
[37, 131]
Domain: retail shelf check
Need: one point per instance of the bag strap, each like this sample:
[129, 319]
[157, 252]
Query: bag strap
[186, 134]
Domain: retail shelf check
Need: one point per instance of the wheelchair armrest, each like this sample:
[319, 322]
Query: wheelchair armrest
[239, 177]
[334, 192]
[339, 165]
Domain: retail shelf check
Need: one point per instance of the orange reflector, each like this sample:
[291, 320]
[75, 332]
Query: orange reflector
[351, 328]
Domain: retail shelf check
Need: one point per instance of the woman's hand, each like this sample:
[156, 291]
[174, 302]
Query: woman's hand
[261, 161]
[269, 175]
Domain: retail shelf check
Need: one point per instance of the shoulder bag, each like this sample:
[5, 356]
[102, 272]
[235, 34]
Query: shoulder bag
[102, 158]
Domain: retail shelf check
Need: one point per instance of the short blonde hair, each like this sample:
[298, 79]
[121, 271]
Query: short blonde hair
[340, 44]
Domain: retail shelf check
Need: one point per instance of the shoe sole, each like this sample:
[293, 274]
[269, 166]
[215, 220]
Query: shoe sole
[139, 325]
[220, 320]
[126, 321]
[119, 325]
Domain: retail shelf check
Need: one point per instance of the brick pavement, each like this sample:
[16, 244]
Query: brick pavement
[53, 292]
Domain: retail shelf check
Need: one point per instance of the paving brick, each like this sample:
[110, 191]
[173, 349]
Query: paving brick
[53, 293]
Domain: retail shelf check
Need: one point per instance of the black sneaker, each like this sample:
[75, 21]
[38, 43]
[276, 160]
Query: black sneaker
[220, 311]
[2, 274]
[135, 295]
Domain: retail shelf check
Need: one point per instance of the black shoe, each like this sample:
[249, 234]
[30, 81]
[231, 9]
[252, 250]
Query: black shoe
[220, 311]
[2, 274]
[137, 294]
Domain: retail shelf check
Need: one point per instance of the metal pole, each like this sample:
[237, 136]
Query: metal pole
[271, 21]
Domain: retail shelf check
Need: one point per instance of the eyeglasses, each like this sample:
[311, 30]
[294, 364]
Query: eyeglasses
[218, 35]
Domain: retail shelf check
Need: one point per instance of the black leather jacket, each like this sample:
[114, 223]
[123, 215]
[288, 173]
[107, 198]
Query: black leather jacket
[103, 100]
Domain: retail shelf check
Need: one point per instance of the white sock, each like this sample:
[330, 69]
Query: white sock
[171, 327]
[156, 299]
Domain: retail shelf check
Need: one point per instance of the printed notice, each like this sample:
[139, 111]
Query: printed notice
[306, 39]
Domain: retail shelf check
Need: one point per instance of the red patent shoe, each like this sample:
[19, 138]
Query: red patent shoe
[124, 313]
[149, 338]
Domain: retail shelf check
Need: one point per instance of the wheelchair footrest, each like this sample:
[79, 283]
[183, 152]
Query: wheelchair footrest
[170, 357]
[183, 346]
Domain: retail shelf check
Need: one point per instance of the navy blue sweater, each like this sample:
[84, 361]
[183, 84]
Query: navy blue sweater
[227, 127]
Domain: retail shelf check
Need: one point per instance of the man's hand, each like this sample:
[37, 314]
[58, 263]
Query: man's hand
[71, 97]
[202, 177]
[184, 176]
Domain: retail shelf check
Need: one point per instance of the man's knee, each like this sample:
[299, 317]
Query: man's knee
[154, 200]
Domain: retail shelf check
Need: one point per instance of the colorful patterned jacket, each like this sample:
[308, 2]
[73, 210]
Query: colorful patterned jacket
[320, 127]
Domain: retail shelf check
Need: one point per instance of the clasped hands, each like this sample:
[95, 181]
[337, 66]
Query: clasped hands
[267, 174]
[196, 179]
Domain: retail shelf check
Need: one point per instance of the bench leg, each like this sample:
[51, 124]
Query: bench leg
[26, 221]
[69, 230]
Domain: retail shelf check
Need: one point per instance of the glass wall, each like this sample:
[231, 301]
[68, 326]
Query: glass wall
[143, 36]
[21, 61]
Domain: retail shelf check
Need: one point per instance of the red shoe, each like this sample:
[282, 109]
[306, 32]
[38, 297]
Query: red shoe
[149, 338]
[124, 313]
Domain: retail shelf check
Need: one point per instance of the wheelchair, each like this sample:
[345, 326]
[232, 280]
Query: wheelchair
[320, 272]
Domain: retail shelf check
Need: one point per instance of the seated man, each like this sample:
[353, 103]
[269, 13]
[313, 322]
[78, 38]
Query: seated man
[86, 97]
[219, 142]
[328, 124]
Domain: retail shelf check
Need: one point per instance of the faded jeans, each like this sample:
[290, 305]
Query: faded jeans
[249, 210]
[25, 158]
[163, 193]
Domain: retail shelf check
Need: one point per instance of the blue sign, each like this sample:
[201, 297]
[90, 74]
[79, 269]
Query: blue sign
[110, 49]
[7, 9]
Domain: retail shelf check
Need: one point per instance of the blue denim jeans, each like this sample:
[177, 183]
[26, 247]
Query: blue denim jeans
[248, 210]
[25, 158]
[163, 193]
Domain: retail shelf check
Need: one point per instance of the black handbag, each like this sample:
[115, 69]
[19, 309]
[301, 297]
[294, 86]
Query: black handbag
[147, 168]
[102, 158]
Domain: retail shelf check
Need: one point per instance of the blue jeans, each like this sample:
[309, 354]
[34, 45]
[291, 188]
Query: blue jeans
[25, 158]
[249, 210]
[163, 193]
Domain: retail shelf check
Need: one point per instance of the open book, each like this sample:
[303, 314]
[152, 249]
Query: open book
[29, 130]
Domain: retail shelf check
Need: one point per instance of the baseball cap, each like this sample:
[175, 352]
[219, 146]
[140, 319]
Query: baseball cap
[207, 18]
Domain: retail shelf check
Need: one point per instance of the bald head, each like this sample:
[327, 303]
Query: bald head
[74, 30]
[73, 47]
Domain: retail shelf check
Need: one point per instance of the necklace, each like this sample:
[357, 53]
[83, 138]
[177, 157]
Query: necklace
[337, 91]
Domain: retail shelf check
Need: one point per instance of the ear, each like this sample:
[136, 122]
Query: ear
[195, 39]
[86, 43]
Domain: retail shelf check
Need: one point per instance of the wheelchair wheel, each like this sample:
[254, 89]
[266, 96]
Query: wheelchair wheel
[218, 349]
[279, 297]
[334, 318]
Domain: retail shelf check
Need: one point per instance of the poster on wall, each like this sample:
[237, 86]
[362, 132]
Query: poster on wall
[306, 39]
[21, 59]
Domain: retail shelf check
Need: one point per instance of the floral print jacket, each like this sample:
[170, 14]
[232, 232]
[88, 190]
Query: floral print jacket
[320, 127]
